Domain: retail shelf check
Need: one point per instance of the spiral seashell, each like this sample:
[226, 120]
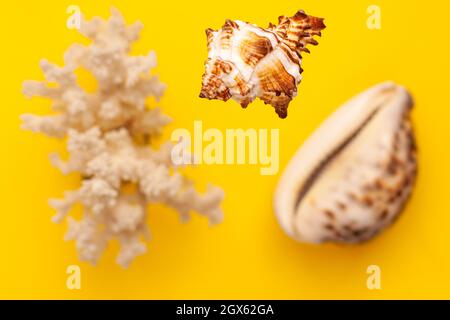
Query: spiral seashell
[353, 176]
[246, 61]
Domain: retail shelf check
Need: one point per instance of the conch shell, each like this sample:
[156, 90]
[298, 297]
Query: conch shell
[353, 176]
[245, 61]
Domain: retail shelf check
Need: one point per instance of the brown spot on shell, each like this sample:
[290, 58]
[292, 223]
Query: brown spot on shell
[352, 196]
[384, 214]
[359, 232]
[341, 205]
[245, 103]
[367, 200]
[392, 197]
[378, 184]
[254, 48]
[392, 166]
[329, 214]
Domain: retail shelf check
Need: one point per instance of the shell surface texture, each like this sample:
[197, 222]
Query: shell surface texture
[246, 61]
[354, 174]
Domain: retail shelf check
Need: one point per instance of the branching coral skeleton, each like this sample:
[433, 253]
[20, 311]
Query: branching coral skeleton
[108, 133]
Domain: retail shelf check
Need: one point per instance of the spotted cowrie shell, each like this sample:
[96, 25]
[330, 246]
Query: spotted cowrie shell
[354, 174]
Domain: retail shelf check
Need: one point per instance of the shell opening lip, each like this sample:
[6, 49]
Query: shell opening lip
[323, 164]
[315, 174]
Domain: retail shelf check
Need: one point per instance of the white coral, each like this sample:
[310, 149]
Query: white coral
[107, 138]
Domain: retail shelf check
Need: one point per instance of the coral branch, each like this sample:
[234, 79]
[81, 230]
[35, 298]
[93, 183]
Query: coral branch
[108, 135]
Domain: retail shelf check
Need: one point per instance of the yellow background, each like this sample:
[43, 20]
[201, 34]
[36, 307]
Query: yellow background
[247, 256]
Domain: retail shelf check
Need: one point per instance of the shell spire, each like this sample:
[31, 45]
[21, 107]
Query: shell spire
[246, 61]
[298, 31]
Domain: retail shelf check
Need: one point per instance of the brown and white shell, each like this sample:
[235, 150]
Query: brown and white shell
[246, 61]
[353, 176]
